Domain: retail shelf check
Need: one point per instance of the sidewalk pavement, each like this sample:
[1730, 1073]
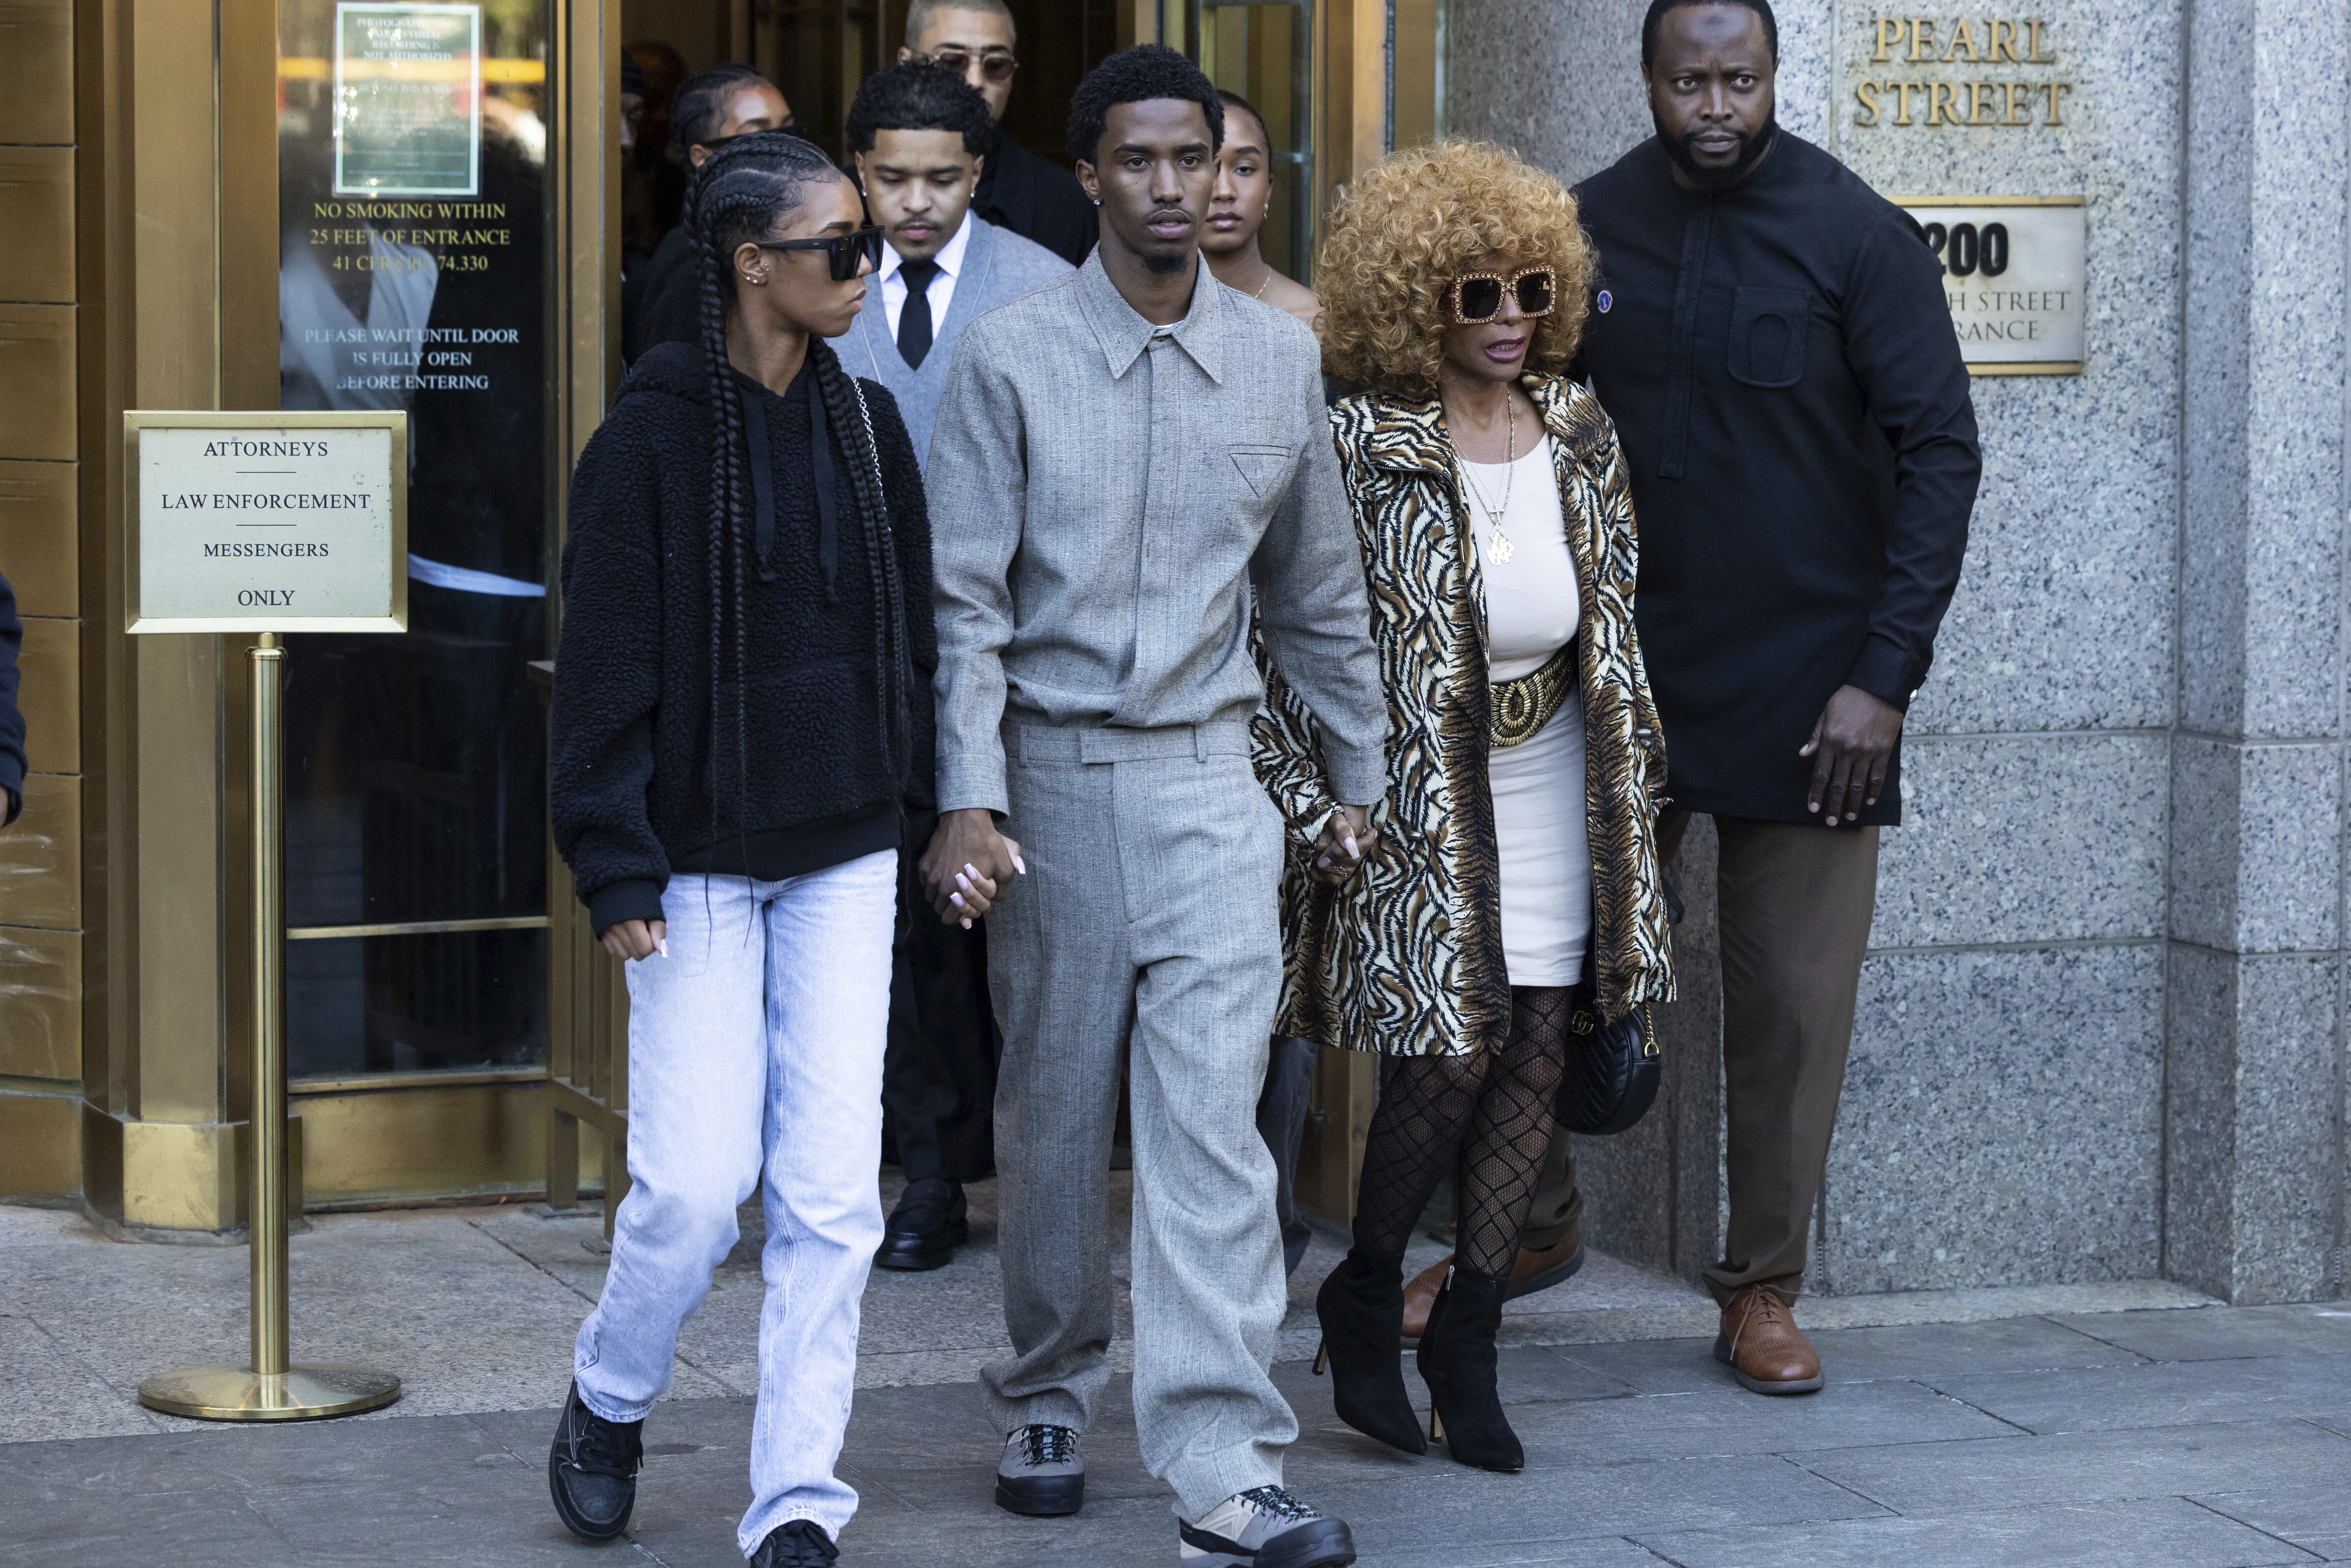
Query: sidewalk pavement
[2090, 1426]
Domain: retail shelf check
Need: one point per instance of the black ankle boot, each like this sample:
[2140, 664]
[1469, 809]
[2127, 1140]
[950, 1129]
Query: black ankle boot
[1457, 1362]
[1361, 1306]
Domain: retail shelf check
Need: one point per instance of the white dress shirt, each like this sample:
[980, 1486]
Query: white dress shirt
[941, 292]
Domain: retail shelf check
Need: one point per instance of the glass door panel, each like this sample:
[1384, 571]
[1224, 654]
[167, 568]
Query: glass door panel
[414, 257]
[1262, 52]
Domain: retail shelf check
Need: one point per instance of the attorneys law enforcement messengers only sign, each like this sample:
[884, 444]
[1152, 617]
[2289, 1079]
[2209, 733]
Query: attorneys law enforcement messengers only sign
[267, 522]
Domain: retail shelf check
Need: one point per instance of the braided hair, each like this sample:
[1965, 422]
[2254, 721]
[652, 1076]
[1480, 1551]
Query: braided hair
[743, 192]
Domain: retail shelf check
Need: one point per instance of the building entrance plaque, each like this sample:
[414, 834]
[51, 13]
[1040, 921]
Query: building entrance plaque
[2012, 274]
[265, 522]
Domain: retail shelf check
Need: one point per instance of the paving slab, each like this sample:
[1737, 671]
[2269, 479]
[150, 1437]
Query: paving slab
[2318, 1521]
[2160, 1394]
[2089, 1467]
[1733, 1421]
[2161, 1533]
[2318, 1328]
[1864, 1354]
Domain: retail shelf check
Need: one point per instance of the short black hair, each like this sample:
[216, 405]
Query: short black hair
[918, 95]
[700, 107]
[1138, 75]
[1658, 9]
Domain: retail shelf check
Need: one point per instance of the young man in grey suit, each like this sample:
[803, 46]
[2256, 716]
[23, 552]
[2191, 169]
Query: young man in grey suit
[920, 134]
[1119, 457]
[917, 130]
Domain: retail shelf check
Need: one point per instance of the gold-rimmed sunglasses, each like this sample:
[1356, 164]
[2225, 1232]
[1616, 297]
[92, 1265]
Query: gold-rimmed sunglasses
[997, 66]
[1477, 297]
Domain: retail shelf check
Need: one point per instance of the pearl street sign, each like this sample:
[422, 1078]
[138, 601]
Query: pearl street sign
[2012, 270]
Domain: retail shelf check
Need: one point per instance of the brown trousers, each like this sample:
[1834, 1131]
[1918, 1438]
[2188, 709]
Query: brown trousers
[1795, 905]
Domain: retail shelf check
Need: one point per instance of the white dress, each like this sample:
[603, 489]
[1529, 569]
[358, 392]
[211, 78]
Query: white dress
[1533, 608]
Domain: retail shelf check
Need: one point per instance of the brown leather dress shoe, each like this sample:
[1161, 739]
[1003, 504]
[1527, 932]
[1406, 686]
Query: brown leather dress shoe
[1538, 1268]
[1764, 1349]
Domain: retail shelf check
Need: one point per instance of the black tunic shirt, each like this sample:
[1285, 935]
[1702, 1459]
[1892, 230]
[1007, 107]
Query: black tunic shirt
[1040, 201]
[1780, 366]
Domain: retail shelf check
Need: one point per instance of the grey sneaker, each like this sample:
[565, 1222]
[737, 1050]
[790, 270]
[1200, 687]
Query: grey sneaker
[1040, 1473]
[1267, 1527]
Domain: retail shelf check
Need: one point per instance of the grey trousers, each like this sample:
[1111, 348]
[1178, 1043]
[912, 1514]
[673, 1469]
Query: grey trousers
[1145, 930]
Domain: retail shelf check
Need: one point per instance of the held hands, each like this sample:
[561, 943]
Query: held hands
[1851, 745]
[968, 863]
[1347, 838]
[636, 939]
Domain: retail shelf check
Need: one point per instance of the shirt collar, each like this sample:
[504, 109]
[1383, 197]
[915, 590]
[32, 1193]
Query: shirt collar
[1124, 334]
[950, 255]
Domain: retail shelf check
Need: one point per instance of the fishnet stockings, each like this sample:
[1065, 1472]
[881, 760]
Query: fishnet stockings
[1493, 1110]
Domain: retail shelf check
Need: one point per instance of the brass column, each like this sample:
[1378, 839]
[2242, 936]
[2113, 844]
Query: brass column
[269, 1389]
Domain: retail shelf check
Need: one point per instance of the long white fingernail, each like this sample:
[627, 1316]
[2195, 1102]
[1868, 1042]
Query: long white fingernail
[969, 869]
[1321, 859]
[1352, 849]
[660, 946]
[1020, 865]
[967, 925]
[955, 899]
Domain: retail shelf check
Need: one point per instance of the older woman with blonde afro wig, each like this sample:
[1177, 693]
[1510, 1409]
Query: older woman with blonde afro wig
[1508, 891]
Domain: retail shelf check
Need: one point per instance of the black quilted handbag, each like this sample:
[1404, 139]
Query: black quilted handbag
[1612, 1068]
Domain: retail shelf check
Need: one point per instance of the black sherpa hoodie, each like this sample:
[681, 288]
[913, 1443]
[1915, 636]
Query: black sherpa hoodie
[636, 788]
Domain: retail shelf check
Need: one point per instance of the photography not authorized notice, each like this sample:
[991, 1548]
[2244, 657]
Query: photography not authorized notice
[260, 526]
[2013, 275]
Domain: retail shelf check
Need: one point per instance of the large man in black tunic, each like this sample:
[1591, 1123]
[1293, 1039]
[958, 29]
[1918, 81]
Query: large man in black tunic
[1771, 339]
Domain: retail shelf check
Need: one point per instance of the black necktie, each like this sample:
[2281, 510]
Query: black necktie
[914, 316]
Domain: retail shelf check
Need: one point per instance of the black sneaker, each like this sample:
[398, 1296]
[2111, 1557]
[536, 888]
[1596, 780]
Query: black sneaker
[591, 1470]
[798, 1543]
[926, 1227]
[1267, 1527]
[1040, 1474]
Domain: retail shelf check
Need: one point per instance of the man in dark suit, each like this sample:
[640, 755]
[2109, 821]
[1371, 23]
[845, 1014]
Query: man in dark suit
[1038, 200]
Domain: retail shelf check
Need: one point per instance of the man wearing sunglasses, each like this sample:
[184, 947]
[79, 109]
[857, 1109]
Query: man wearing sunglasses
[1771, 339]
[1039, 200]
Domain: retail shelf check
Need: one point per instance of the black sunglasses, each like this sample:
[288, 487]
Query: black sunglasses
[1477, 297]
[843, 251]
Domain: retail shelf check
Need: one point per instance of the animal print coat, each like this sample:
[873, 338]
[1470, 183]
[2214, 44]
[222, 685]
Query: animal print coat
[1407, 958]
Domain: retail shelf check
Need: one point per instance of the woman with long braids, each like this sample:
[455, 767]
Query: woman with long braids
[742, 722]
[1516, 877]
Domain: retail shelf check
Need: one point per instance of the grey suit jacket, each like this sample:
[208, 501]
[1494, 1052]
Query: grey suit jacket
[999, 266]
[1103, 495]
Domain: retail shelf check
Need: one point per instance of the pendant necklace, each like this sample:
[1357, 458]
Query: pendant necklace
[1501, 549]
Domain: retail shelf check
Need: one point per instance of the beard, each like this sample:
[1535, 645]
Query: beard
[1165, 264]
[1714, 181]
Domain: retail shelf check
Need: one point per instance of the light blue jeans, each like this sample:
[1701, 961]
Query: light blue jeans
[756, 1046]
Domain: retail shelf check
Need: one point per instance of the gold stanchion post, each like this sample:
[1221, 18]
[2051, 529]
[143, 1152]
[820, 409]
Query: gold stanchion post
[270, 1389]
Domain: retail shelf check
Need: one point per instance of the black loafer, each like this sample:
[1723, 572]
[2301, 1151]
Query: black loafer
[796, 1543]
[929, 1223]
[591, 1470]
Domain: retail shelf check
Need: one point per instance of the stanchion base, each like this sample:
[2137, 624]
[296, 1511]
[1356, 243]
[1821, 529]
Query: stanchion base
[298, 1393]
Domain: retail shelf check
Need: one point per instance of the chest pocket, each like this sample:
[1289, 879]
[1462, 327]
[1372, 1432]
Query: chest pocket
[1768, 329]
[1262, 468]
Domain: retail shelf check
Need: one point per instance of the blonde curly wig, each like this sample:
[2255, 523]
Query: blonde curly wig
[1419, 218]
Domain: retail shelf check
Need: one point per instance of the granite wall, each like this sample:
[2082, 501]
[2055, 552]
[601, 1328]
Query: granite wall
[2101, 1031]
